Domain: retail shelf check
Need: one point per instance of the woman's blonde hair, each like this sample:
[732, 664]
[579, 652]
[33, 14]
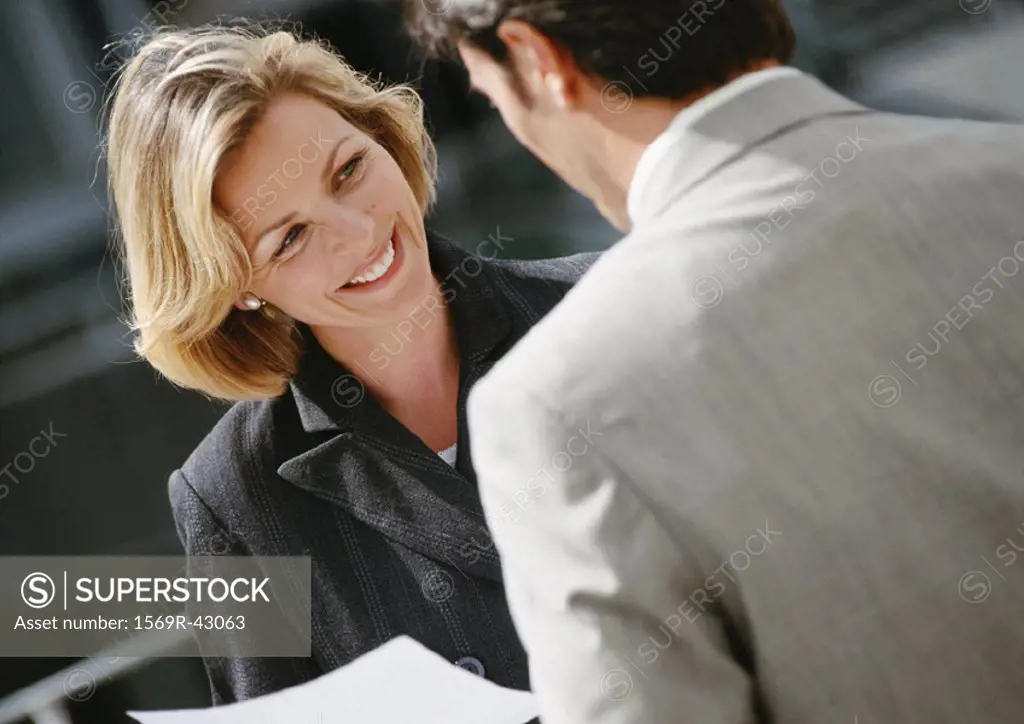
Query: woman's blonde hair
[185, 100]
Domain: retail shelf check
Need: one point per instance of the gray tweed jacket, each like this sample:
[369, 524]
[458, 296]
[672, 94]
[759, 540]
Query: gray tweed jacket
[396, 536]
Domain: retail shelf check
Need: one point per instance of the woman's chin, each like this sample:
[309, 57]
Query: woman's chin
[407, 301]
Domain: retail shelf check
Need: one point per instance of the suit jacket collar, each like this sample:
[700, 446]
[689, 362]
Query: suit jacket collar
[357, 456]
[727, 130]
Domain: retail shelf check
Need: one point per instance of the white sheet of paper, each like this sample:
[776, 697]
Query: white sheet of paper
[402, 682]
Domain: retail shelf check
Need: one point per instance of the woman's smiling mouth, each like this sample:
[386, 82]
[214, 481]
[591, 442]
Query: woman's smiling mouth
[377, 268]
[380, 269]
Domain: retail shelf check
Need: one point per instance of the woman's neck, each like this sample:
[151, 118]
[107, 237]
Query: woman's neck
[410, 367]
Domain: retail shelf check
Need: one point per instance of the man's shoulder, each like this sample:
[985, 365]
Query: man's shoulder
[589, 337]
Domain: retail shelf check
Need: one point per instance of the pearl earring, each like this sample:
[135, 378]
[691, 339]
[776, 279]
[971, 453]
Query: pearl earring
[252, 302]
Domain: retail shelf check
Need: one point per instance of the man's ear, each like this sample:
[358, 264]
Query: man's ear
[544, 68]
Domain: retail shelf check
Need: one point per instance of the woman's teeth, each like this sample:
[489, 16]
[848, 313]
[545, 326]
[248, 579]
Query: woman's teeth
[377, 270]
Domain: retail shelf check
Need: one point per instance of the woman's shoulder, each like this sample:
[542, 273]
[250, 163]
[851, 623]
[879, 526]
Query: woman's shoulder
[451, 256]
[541, 283]
[232, 454]
[563, 270]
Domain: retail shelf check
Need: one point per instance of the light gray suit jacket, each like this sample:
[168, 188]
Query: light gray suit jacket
[765, 462]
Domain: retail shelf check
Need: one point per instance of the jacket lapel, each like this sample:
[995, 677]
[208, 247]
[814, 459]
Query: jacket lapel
[359, 457]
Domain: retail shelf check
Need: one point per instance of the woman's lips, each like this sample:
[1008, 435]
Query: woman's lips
[396, 242]
[380, 257]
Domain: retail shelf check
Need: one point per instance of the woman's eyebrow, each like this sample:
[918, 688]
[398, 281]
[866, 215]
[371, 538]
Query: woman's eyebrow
[287, 218]
[331, 159]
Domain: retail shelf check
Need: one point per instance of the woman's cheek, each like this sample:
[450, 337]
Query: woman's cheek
[299, 284]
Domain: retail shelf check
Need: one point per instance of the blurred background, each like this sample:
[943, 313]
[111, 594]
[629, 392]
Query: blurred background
[117, 431]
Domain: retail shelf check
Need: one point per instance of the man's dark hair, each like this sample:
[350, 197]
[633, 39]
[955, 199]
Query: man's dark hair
[661, 48]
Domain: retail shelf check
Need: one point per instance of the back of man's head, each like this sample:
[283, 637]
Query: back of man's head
[659, 48]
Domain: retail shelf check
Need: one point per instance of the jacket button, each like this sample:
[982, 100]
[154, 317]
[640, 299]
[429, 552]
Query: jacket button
[471, 663]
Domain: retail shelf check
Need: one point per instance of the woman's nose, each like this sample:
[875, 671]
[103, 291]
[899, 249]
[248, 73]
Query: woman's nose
[351, 232]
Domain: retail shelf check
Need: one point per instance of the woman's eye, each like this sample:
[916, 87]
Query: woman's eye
[290, 238]
[346, 171]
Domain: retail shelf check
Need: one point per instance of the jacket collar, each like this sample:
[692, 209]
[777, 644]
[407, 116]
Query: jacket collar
[662, 145]
[688, 152]
[360, 458]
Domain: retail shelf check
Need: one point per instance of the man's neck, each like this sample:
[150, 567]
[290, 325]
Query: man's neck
[625, 136]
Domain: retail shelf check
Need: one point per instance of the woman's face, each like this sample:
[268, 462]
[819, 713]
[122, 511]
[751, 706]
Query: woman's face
[332, 227]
